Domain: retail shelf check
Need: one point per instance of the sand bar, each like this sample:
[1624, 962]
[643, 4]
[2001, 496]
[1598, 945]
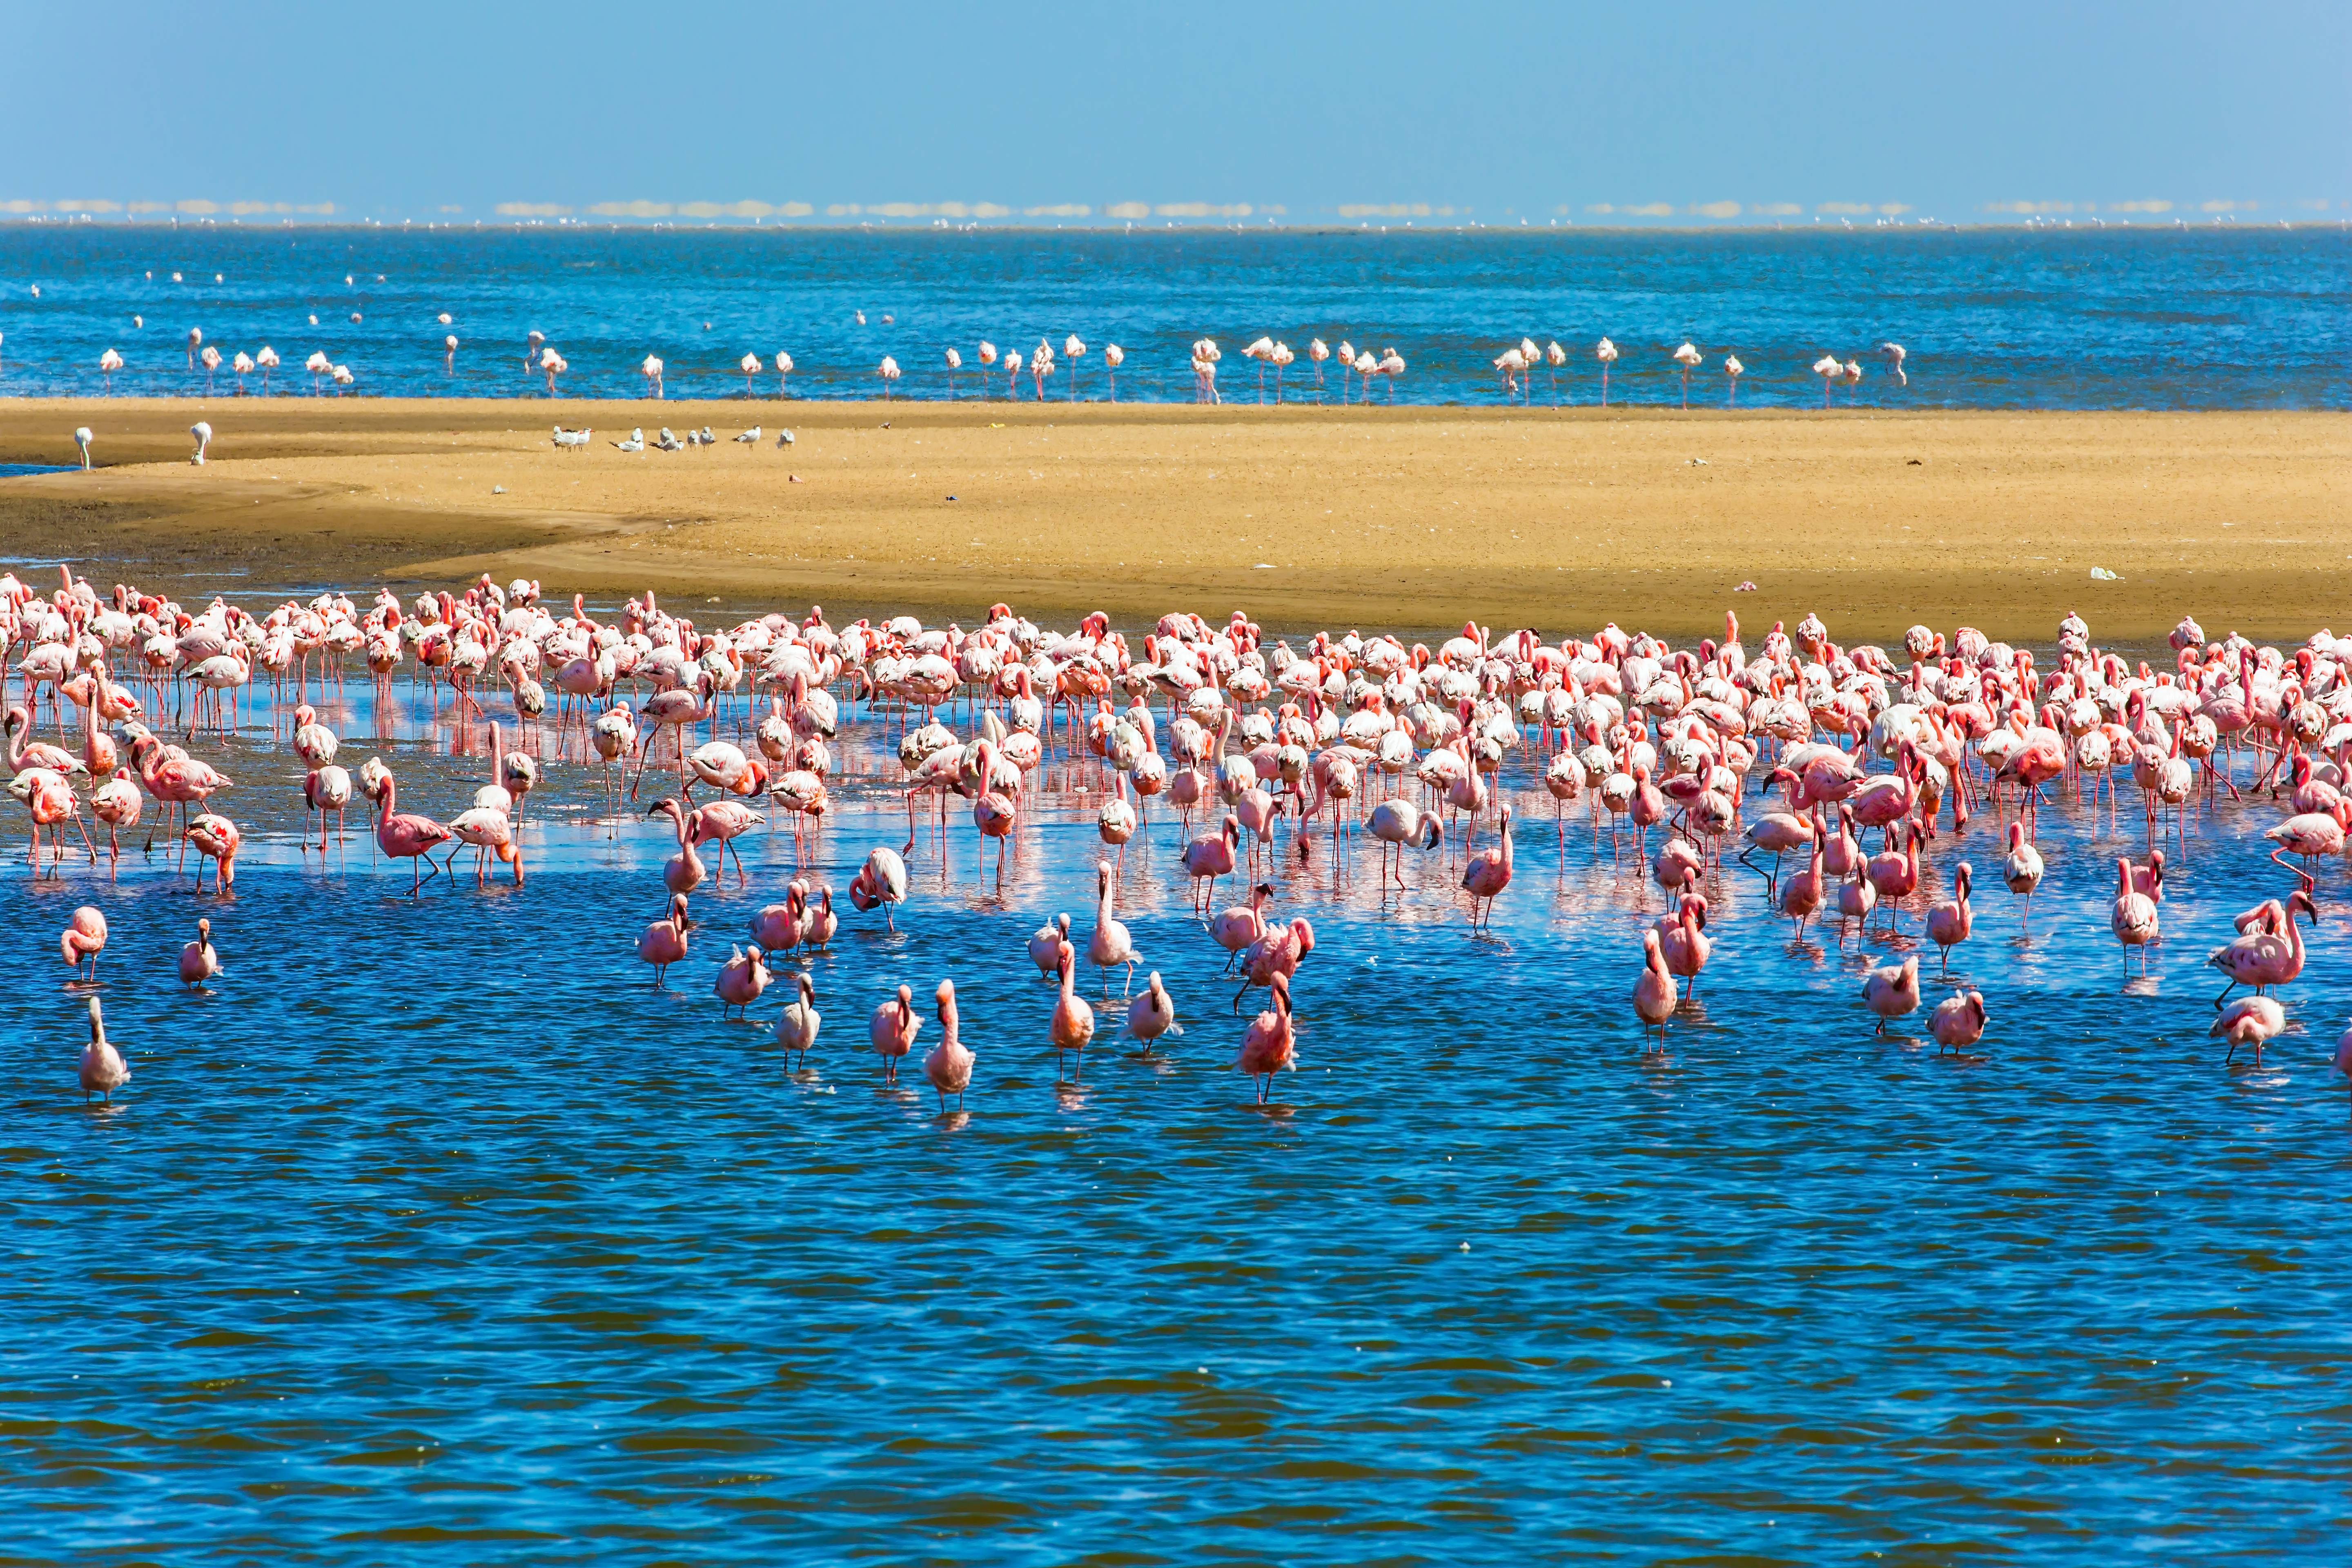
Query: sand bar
[1410, 519]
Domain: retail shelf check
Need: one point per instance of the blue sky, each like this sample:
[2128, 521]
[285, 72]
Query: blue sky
[1319, 112]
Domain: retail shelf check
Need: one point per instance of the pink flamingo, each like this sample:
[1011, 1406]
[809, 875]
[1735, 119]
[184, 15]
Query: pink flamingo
[723, 822]
[1801, 895]
[1488, 873]
[406, 836]
[1211, 857]
[2249, 1021]
[1237, 927]
[1278, 952]
[2262, 958]
[1950, 920]
[1892, 991]
[740, 979]
[1654, 993]
[777, 927]
[216, 839]
[2133, 918]
[1958, 1022]
[1270, 1044]
[797, 1026]
[81, 942]
[1072, 1025]
[893, 1030]
[118, 803]
[102, 1067]
[1682, 937]
[665, 941]
[199, 960]
[685, 870]
[949, 1064]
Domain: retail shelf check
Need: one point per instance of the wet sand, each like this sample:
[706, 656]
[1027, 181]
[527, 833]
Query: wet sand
[1412, 518]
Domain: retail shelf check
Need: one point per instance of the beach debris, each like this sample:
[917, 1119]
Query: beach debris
[793, 478]
[2101, 574]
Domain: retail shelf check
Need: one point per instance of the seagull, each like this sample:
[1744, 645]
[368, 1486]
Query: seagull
[636, 443]
[708, 439]
[669, 442]
[751, 435]
[570, 437]
[693, 436]
[783, 437]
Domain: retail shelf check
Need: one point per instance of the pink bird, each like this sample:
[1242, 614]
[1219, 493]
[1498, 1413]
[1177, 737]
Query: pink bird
[1683, 939]
[1950, 920]
[664, 941]
[216, 839]
[893, 1031]
[1488, 872]
[1211, 857]
[1270, 1044]
[1958, 1022]
[2133, 918]
[406, 836]
[2265, 957]
[1801, 895]
[81, 942]
[949, 1064]
[684, 872]
[199, 960]
[1654, 993]
[740, 979]
[1277, 952]
[1073, 1026]
[1235, 928]
[777, 927]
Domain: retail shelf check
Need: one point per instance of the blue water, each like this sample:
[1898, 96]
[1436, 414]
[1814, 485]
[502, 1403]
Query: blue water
[436, 1233]
[1992, 319]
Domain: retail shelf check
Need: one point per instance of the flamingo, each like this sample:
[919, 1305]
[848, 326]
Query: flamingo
[1892, 991]
[1949, 922]
[2262, 958]
[83, 939]
[102, 1069]
[1111, 946]
[2249, 1021]
[1606, 352]
[216, 839]
[740, 979]
[1732, 371]
[1688, 357]
[882, 881]
[665, 941]
[893, 1029]
[1488, 873]
[948, 1066]
[199, 960]
[1210, 857]
[403, 836]
[684, 872]
[796, 1028]
[1958, 1021]
[2133, 916]
[1154, 1014]
[1654, 993]
[1072, 1025]
[2020, 870]
[1270, 1044]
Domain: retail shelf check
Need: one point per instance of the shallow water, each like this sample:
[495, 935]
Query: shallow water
[436, 1231]
[2209, 318]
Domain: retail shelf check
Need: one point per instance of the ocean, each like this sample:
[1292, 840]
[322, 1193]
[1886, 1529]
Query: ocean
[435, 1232]
[2008, 319]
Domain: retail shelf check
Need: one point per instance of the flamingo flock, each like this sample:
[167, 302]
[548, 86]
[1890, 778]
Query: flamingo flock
[1514, 367]
[1856, 763]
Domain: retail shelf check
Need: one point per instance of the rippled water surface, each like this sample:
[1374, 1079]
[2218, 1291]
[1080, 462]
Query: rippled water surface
[2206, 318]
[435, 1232]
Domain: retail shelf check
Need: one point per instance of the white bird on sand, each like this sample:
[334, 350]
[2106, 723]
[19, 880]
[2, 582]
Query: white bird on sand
[750, 436]
[636, 443]
[666, 442]
[572, 438]
[783, 437]
[82, 439]
[202, 431]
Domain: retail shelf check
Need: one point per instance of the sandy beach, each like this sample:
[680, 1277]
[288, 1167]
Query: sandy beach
[1303, 516]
